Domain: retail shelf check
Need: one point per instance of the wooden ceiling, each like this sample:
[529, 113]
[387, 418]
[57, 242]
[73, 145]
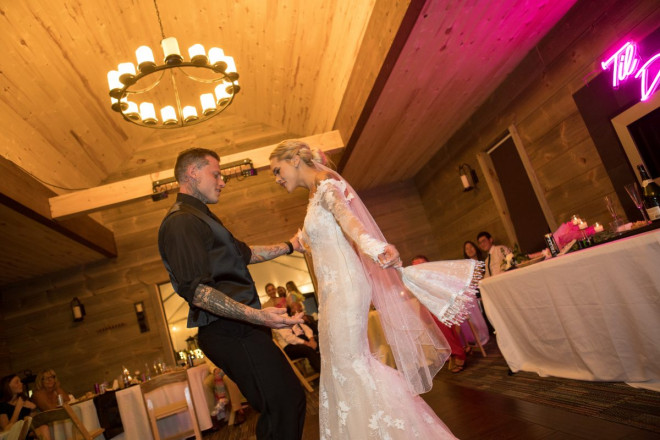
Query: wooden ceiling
[397, 79]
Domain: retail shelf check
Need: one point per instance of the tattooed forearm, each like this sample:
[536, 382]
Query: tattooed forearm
[265, 253]
[218, 303]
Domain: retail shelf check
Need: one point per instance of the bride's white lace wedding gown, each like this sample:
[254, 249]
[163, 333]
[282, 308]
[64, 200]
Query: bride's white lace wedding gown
[360, 398]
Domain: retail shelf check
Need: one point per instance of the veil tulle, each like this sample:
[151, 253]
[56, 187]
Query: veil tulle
[418, 346]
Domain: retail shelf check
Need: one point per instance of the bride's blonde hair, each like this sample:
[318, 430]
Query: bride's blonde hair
[287, 149]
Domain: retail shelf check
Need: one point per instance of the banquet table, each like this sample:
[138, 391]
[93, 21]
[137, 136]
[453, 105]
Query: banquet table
[134, 415]
[86, 412]
[591, 315]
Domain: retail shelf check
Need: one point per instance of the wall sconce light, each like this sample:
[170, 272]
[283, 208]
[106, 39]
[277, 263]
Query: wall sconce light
[469, 178]
[77, 309]
[141, 316]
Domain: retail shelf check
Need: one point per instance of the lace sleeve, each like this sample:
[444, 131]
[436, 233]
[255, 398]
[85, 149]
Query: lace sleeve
[333, 198]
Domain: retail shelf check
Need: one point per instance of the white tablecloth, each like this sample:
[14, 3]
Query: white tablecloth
[134, 415]
[590, 315]
[86, 412]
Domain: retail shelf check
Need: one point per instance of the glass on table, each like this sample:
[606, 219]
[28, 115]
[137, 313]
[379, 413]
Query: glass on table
[633, 191]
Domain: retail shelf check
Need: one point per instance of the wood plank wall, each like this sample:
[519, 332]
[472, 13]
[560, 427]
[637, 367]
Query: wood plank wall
[537, 98]
[39, 332]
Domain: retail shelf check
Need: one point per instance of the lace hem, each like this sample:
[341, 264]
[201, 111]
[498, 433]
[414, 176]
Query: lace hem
[459, 311]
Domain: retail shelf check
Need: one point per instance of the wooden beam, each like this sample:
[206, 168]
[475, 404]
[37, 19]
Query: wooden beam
[25, 195]
[104, 196]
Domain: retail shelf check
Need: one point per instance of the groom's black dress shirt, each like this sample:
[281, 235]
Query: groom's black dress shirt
[197, 249]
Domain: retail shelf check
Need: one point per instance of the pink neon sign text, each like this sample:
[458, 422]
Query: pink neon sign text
[624, 63]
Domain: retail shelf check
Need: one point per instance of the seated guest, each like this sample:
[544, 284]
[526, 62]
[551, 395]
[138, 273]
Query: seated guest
[495, 254]
[273, 300]
[15, 406]
[295, 308]
[470, 250]
[457, 359]
[294, 295]
[281, 292]
[47, 387]
[298, 342]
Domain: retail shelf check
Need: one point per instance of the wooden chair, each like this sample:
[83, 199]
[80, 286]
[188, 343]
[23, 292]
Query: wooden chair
[299, 367]
[236, 399]
[19, 430]
[65, 413]
[185, 405]
[475, 335]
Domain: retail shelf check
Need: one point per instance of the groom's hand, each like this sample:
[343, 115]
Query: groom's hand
[276, 317]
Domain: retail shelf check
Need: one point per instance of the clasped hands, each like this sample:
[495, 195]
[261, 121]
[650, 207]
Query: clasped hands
[276, 317]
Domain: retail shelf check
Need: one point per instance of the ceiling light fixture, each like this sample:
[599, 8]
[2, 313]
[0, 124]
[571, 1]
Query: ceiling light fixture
[213, 91]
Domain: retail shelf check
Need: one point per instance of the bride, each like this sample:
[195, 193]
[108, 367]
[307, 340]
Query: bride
[361, 398]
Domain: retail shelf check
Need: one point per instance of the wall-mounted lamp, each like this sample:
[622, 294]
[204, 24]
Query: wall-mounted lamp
[141, 316]
[469, 178]
[77, 309]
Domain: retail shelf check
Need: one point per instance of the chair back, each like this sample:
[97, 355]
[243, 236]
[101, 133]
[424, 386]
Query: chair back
[19, 430]
[183, 405]
[65, 413]
[298, 368]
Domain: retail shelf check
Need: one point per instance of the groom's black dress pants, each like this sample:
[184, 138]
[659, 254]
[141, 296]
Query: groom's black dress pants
[248, 355]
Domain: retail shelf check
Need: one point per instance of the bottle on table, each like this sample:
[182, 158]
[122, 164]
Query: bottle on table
[651, 194]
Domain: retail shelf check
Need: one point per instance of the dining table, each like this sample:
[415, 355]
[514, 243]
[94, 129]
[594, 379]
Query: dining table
[134, 415]
[86, 412]
[593, 314]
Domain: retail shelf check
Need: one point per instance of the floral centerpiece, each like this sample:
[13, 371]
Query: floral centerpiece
[514, 258]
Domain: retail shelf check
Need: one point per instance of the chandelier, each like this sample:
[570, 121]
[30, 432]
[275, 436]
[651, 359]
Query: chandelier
[211, 89]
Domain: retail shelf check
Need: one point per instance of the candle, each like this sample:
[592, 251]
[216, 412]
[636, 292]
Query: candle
[575, 220]
[598, 227]
[582, 225]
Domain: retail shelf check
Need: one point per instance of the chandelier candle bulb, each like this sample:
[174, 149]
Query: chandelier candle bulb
[217, 58]
[148, 113]
[127, 73]
[231, 68]
[598, 227]
[114, 83]
[189, 113]
[118, 105]
[145, 59]
[221, 95]
[131, 111]
[169, 115]
[197, 54]
[171, 51]
[582, 225]
[208, 103]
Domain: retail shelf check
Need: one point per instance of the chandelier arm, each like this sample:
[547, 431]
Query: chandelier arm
[178, 100]
[204, 80]
[147, 89]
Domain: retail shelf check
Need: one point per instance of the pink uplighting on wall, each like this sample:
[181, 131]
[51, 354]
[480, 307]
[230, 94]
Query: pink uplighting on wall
[624, 64]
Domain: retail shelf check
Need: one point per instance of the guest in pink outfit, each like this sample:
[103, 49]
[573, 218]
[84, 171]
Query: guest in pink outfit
[458, 355]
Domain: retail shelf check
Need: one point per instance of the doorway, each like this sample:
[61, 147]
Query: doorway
[517, 193]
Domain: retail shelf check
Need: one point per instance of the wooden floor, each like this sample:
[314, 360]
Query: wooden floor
[474, 414]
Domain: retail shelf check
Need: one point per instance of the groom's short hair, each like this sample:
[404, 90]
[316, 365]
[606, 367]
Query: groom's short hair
[191, 156]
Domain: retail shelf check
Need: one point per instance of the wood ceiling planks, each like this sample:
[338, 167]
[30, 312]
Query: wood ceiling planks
[451, 63]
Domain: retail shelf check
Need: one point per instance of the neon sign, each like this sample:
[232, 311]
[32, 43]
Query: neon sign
[624, 64]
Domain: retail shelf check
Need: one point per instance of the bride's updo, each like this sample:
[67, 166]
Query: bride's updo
[287, 149]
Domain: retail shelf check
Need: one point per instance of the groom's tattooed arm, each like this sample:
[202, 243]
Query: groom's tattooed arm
[265, 253]
[216, 302]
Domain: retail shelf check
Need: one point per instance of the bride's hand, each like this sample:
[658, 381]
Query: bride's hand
[390, 257]
[297, 243]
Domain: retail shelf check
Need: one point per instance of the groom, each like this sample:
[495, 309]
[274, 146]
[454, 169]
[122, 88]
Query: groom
[208, 268]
